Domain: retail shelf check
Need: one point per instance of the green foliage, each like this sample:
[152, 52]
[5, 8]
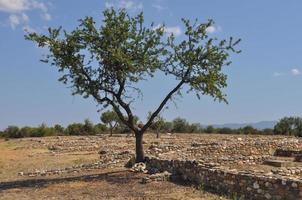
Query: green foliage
[158, 123]
[268, 131]
[225, 130]
[248, 130]
[111, 119]
[107, 62]
[180, 125]
[59, 129]
[210, 129]
[12, 132]
[74, 129]
[100, 128]
[289, 126]
[88, 128]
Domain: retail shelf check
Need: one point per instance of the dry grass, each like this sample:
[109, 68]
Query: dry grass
[108, 183]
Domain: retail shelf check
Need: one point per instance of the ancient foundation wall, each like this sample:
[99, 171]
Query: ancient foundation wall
[232, 183]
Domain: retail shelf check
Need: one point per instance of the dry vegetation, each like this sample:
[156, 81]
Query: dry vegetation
[92, 167]
[111, 181]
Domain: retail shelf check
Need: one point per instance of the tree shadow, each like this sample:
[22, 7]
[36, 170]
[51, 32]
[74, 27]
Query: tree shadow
[116, 177]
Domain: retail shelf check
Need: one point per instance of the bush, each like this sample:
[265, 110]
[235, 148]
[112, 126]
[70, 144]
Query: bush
[226, 130]
[180, 125]
[12, 132]
[74, 129]
[100, 128]
[210, 129]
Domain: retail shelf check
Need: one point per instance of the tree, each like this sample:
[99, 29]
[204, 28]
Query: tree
[107, 62]
[209, 129]
[289, 126]
[248, 130]
[74, 129]
[59, 129]
[225, 130]
[88, 127]
[157, 124]
[12, 132]
[111, 119]
[180, 125]
[100, 128]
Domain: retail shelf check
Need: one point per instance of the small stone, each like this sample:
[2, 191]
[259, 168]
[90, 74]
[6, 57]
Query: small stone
[256, 185]
[268, 196]
[102, 152]
[294, 185]
[268, 184]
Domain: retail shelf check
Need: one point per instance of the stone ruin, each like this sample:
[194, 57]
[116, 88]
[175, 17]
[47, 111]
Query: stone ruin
[251, 169]
[248, 167]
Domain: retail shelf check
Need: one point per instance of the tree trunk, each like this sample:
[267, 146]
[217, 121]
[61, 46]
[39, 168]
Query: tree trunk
[157, 134]
[140, 157]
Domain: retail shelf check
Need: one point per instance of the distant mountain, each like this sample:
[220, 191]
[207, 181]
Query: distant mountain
[257, 125]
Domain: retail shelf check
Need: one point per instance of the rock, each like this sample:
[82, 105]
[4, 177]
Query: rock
[256, 185]
[102, 152]
[294, 185]
[21, 173]
[267, 196]
[139, 167]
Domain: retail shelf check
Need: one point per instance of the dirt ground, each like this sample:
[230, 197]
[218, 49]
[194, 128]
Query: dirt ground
[107, 182]
[92, 167]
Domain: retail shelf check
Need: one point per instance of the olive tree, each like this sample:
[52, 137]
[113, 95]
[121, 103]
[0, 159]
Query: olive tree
[107, 61]
[111, 119]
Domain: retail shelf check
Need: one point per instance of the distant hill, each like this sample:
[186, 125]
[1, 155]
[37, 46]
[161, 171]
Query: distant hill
[257, 125]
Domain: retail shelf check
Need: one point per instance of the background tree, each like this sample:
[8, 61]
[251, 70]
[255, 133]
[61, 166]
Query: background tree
[158, 124]
[88, 128]
[289, 126]
[111, 119]
[210, 129]
[180, 125]
[108, 61]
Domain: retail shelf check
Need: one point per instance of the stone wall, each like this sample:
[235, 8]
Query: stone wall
[232, 183]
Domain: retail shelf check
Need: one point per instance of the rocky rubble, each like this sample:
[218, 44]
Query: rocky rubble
[164, 176]
[72, 169]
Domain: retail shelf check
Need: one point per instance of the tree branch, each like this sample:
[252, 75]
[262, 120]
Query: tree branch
[160, 107]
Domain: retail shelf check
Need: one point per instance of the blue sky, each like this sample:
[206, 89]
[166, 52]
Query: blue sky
[264, 81]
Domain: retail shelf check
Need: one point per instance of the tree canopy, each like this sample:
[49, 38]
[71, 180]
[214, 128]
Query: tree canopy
[289, 126]
[108, 61]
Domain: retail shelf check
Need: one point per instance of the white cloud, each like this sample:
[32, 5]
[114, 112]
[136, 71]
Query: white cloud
[158, 7]
[14, 21]
[175, 30]
[126, 4]
[213, 29]
[109, 5]
[14, 5]
[295, 72]
[25, 18]
[47, 16]
[18, 9]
